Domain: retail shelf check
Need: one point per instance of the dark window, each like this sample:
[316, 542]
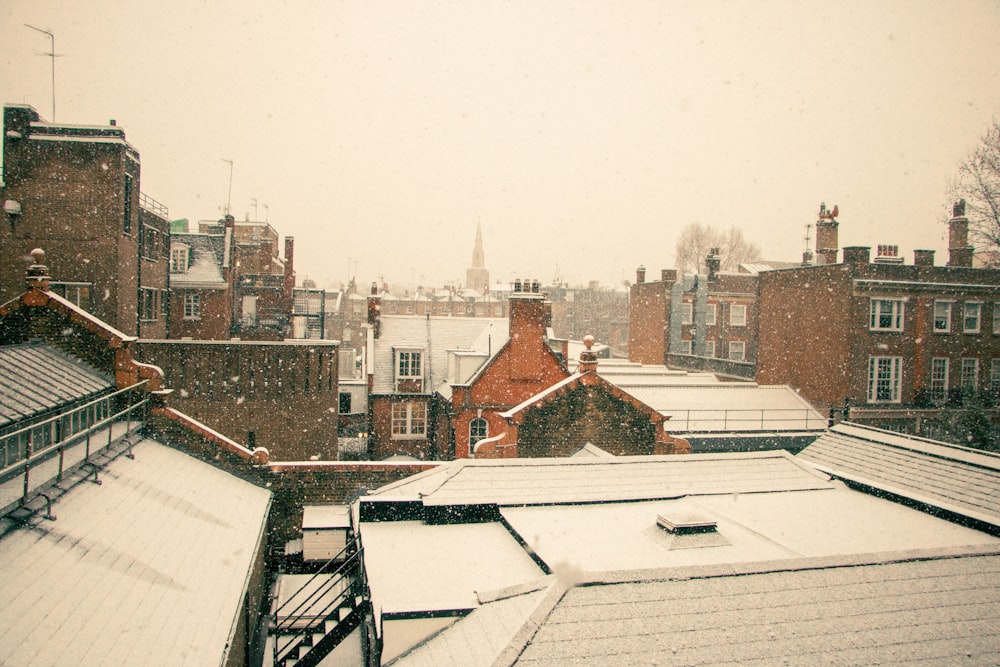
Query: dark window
[345, 403]
[127, 219]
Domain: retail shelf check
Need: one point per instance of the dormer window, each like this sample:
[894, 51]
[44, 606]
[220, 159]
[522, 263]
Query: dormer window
[179, 258]
[408, 364]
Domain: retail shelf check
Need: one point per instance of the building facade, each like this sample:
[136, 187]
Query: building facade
[75, 190]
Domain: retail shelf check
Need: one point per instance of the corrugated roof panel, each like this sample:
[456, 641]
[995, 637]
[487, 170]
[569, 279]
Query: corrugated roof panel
[38, 377]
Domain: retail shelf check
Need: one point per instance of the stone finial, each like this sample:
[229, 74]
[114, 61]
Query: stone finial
[588, 358]
[37, 275]
[958, 210]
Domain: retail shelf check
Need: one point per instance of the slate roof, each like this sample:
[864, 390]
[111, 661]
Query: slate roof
[436, 336]
[958, 479]
[39, 378]
[204, 262]
[575, 480]
[115, 578]
[891, 609]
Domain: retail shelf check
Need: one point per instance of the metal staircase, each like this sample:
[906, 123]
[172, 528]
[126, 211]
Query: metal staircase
[324, 611]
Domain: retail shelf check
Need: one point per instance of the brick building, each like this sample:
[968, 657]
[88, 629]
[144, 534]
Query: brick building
[75, 190]
[896, 341]
[711, 317]
[594, 310]
[202, 277]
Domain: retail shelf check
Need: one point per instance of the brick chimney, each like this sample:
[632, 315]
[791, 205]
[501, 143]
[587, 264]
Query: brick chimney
[374, 310]
[959, 250]
[712, 264]
[923, 258]
[640, 275]
[37, 275]
[289, 271]
[827, 241]
[857, 255]
[530, 317]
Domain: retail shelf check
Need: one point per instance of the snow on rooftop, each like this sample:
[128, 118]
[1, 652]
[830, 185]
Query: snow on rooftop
[150, 567]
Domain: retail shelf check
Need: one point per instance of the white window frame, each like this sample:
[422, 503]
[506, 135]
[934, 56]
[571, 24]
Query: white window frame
[740, 345]
[192, 306]
[710, 314]
[738, 320]
[686, 347]
[996, 318]
[939, 379]
[977, 308]
[886, 314]
[405, 364]
[408, 420]
[687, 312]
[970, 373]
[179, 258]
[946, 328]
[995, 376]
[710, 348]
[475, 437]
[888, 371]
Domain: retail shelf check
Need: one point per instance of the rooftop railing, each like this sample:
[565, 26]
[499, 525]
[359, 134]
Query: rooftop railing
[152, 205]
[770, 419]
[43, 452]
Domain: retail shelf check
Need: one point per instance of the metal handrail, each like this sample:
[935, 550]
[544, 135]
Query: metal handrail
[150, 204]
[34, 458]
[351, 569]
[758, 416]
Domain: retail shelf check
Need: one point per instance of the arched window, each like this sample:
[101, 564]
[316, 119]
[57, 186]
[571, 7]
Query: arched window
[478, 429]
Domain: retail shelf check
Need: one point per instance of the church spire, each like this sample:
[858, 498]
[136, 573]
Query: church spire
[477, 276]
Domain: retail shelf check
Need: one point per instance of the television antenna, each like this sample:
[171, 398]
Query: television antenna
[53, 55]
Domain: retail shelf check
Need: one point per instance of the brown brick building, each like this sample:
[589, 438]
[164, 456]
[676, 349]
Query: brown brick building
[896, 341]
[74, 190]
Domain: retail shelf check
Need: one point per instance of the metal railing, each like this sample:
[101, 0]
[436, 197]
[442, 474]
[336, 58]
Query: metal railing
[150, 204]
[60, 438]
[338, 585]
[781, 419]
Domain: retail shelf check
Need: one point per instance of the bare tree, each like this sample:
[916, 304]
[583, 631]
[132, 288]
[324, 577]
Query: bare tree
[697, 240]
[978, 183]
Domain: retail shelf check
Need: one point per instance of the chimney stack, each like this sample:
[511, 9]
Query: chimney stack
[530, 317]
[374, 310]
[713, 262]
[640, 275]
[959, 250]
[923, 258]
[588, 358]
[827, 242]
[857, 255]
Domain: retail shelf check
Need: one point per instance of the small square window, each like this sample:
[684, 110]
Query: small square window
[738, 315]
[971, 317]
[737, 350]
[942, 316]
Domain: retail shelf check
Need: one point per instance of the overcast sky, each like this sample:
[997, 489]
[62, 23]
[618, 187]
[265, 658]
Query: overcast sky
[583, 136]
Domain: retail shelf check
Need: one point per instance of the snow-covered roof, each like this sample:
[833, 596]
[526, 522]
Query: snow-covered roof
[480, 557]
[39, 378]
[889, 608]
[576, 480]
[435, 336]
[956, 479]
[204, 269]
[115, 578]
[729, 407]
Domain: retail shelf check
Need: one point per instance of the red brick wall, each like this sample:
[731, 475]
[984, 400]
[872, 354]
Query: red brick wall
[586, 414]
[648, 315]
[215, 320]
[286, 393]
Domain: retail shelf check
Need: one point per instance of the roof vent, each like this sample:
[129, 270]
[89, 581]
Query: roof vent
[686, 523]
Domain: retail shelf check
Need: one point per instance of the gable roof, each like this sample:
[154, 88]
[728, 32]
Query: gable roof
[40, 378]
[957, 479]
[113, 579]
[436, 336]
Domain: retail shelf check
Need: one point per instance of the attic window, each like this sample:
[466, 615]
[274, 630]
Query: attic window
[686, 523]
[179, 258]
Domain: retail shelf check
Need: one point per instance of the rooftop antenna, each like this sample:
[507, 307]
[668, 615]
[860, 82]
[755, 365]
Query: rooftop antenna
[229, 197]
[254, 200]
[53, 55]
[266, 212]
[808, 238]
